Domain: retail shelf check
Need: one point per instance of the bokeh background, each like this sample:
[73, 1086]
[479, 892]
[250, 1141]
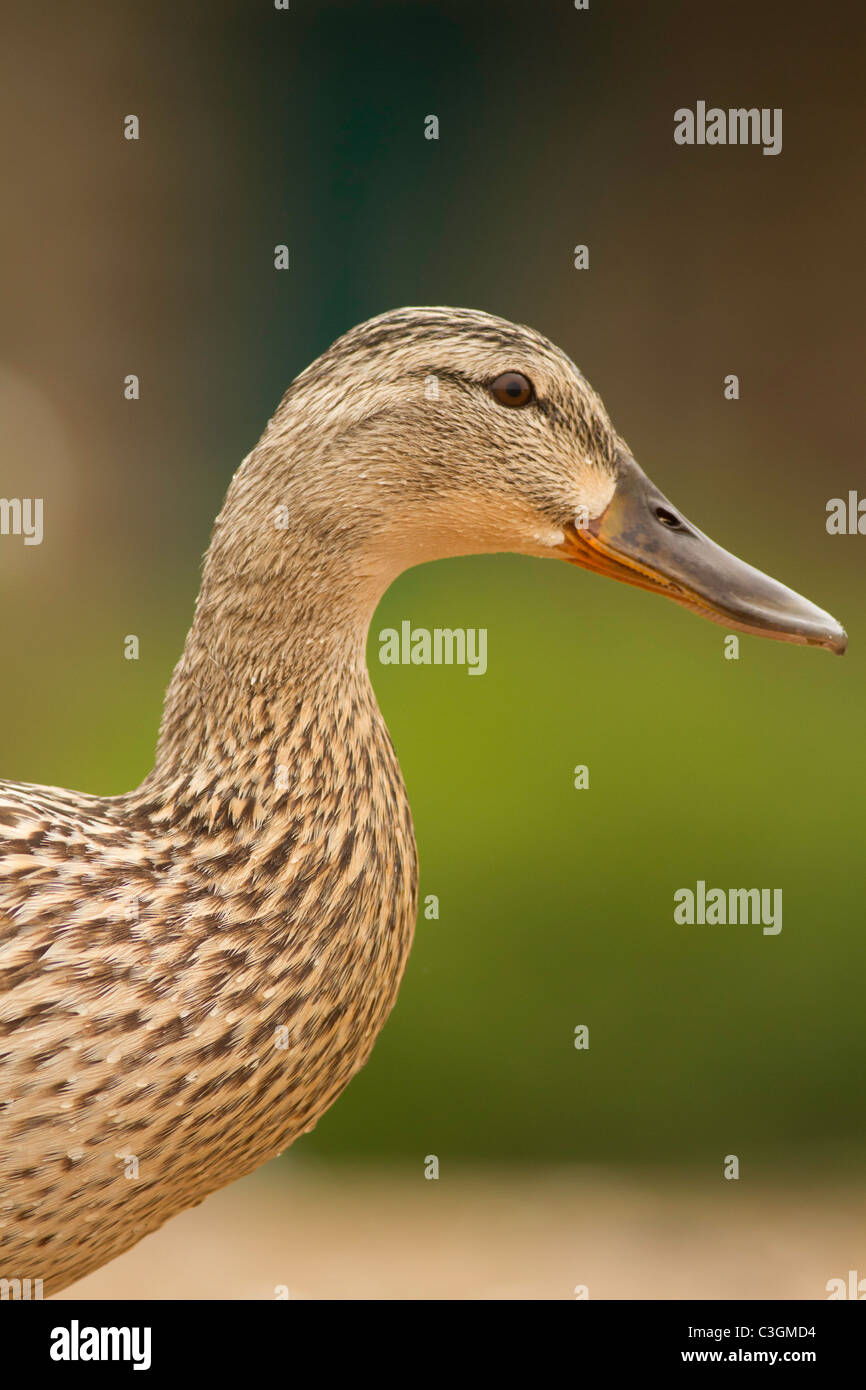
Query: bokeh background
[306, 127]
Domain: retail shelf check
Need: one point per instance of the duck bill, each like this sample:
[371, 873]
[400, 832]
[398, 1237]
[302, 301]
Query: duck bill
[642, 539]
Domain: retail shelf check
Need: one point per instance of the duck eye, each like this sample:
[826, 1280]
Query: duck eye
[512, 388]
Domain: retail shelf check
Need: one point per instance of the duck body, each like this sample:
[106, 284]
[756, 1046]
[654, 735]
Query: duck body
[192, 972]
[216, 977]
[217, 974]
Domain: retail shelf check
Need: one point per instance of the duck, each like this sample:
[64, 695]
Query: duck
[192, 972]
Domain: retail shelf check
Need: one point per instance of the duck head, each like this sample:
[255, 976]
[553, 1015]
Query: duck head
[442, 432]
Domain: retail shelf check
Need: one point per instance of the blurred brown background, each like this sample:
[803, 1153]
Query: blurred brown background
[261, 127]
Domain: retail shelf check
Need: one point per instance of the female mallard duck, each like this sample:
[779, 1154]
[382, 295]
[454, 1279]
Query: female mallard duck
[192, 972]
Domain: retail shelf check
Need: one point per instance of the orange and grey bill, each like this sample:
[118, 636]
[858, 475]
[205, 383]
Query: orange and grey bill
[642, 539]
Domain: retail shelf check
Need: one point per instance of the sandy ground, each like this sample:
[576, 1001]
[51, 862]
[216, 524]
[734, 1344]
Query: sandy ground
[357, 1233]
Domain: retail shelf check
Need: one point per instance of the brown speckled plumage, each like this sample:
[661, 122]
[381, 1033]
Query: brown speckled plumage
[154, 946]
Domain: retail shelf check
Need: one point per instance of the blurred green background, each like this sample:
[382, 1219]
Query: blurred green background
[260, 127]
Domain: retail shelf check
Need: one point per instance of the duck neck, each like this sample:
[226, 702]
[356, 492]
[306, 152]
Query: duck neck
[273, 672]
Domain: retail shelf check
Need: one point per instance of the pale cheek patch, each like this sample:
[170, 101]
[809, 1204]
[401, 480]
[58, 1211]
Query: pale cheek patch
[596, 491]
[549, 538]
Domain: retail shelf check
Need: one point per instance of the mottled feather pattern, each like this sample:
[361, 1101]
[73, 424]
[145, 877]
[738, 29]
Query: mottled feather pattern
[147, 966]
[263, 877]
